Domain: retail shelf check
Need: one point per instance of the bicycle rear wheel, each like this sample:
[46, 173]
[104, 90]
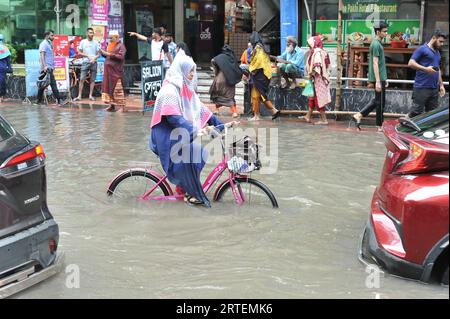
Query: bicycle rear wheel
[133, 184]
[254, 192]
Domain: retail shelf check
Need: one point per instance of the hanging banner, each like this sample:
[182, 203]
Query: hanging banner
[61, 73]
[100, 12]
[100, 69]
[61, 45]
[152, 77]
[33, 68]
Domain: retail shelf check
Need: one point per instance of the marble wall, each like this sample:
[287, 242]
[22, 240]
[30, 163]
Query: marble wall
[352, 100]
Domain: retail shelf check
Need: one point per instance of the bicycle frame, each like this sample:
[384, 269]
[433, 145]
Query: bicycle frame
[212, 178]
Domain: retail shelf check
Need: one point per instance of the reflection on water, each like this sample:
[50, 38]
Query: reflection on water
[305, 249]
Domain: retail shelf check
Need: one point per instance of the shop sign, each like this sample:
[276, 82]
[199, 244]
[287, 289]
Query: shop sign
[367, 6]
[152, 74]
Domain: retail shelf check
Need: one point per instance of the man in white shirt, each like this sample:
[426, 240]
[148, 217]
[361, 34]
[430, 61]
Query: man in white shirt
[90, 50]
[160, 49]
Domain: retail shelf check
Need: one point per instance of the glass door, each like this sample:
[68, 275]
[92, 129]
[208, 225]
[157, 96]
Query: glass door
[204, 22]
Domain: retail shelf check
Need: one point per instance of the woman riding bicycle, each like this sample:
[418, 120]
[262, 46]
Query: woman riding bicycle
[178, 118]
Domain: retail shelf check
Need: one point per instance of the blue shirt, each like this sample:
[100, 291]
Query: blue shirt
[297, 57]
[49, 56]
[425, 56]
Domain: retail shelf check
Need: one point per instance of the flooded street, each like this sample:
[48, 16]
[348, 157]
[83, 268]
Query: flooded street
[305, 249]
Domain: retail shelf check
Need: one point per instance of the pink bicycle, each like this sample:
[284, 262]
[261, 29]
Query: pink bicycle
[238, 187]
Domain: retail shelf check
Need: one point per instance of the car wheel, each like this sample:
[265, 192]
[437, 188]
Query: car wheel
[444, 279]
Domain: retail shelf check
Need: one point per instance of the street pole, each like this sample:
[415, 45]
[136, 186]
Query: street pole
[58, 13]
[339, 57]
[422, 21]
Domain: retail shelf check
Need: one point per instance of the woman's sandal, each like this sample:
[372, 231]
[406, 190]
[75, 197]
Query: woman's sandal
[276, 115]
[192, 200]
[357, 123]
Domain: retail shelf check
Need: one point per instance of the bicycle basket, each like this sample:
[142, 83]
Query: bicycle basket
[244, 156]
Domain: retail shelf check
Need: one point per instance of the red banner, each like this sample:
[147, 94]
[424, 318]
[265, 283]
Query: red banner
[61, 45]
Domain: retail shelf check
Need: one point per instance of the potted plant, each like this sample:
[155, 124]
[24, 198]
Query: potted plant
[397, 40]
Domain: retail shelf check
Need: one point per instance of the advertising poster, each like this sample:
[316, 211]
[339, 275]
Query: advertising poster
[361, 31]
[99, 9]
[61, 73]
[100, 69]
[100, 35]
[115, 17]
[152, 77]
[33, 68]
[144, 26]
[115, 8]
[74, 42]
[61, 45]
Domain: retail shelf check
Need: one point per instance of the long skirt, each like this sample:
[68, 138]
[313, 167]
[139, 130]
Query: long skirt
[221, 92]
[118, 98]
[185, 171]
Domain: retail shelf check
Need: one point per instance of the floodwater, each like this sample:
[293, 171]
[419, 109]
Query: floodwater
[305, 249]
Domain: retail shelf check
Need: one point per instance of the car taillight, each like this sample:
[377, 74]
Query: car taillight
[37, 152]
[421, 159]
[52, 246]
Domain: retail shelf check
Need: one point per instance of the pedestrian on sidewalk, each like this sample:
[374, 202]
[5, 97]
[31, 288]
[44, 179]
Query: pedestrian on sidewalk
[89, 49]
[377, 75]
[47, 61]
[178, 109]
[227, 75]
[260, 74]
[428, 84]
[5, 67]
[318, 70]
[112, 86]
[291, 64]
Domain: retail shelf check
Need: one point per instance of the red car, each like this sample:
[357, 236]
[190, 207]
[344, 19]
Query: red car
[407, 231]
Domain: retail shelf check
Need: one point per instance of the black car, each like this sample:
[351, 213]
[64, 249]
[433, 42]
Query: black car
[28, 233]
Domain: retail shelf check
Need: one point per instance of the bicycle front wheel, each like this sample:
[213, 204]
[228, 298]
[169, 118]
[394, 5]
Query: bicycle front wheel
[136, 183]
[252, 191]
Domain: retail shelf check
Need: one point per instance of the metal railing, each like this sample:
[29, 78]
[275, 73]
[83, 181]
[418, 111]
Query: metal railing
[367, 80]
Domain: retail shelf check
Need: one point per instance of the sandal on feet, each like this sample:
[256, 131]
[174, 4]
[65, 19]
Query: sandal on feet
[192, 200]
[276, 115]
[357, 122]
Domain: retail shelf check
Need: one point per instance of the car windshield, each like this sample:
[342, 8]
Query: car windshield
[6, 131]
[429, 126]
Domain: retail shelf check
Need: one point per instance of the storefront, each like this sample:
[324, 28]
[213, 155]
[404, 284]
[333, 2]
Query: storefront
[204, 28]
[413, 21]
